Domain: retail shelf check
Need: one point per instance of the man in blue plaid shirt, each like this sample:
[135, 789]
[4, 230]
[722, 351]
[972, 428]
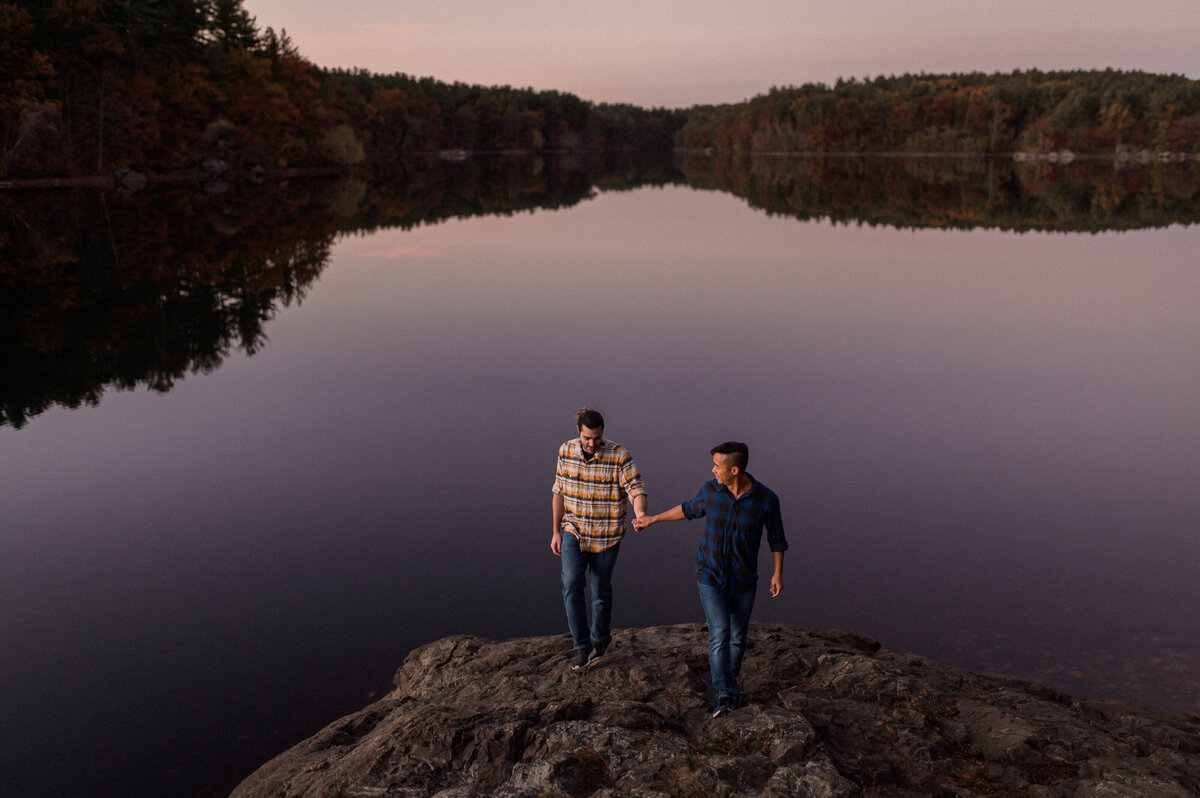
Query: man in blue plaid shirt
[737, 508]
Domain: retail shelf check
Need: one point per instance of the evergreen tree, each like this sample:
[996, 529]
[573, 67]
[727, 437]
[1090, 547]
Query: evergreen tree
[231, 26]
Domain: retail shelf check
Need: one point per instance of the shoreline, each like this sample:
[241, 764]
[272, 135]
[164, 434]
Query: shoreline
[827, 712]
[133, 180]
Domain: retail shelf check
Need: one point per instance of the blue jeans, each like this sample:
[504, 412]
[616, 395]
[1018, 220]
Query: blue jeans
[598, 567]
[728, 617]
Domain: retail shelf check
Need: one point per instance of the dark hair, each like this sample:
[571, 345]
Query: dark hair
[738, 453]
[587, 417]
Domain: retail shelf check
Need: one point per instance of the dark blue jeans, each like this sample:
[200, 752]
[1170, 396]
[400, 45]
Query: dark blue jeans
[593, 568]
[728, 617]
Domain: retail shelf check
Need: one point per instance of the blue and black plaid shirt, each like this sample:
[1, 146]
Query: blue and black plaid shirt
[728, 556]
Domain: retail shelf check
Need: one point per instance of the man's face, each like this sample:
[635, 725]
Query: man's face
[591, 439]
[722, 470]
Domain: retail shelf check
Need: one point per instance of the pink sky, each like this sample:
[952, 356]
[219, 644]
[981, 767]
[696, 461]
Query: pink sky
[678, 54]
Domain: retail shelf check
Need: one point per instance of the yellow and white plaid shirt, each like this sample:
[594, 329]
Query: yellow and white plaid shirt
[595, 493]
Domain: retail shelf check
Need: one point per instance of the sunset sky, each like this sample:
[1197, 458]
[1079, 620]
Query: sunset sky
[677, 54]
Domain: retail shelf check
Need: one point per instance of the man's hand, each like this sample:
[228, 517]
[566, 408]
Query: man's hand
[776, 584]
[674, 514]
[556, 543]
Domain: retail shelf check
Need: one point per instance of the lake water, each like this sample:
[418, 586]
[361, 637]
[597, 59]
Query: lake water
[986, 444]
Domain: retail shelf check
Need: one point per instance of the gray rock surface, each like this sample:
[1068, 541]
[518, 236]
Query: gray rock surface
[828, 715]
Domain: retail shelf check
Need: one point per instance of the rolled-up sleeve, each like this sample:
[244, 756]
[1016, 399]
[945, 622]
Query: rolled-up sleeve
[631, 479]
[694, 508]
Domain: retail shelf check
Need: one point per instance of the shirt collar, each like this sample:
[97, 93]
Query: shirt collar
[752, 489]
[578, 446]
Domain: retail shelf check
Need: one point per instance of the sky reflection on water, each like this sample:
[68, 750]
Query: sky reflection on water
[986, 445]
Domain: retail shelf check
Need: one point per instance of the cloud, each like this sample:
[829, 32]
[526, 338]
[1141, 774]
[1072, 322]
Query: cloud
[402, 251]
[392, 28]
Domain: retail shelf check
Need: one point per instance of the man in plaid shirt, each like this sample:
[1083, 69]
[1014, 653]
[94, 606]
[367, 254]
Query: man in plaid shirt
[593, 483]
[738, 508]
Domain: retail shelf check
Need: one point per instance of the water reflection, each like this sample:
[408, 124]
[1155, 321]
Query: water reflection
[113, 291]
[985, 443]
[103, 291]
[962, 193]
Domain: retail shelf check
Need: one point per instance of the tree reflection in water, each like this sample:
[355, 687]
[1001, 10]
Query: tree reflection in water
[957, 192]
[101, 290]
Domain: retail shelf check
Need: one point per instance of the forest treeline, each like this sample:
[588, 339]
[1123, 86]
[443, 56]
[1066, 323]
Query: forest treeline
[1089, 112]
[88, 87]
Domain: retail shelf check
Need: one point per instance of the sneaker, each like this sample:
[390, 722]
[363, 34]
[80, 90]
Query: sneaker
[724, 707]
[596, 653]
[580, 660]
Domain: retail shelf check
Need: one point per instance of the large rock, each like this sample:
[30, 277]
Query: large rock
[828, 715]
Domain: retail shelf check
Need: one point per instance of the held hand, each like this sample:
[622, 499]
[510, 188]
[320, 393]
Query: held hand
[556, 543]
[642, 521]
[776, 585]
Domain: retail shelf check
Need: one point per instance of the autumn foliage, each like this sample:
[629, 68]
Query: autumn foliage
[90, 87]
[1107, 111]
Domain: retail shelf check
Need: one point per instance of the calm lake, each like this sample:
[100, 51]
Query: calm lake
[986, 443]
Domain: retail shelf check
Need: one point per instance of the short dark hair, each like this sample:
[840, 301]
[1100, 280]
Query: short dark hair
[738, 453]
[587, 417]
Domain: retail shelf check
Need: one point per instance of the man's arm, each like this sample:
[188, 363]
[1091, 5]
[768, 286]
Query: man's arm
[777, 542]
[559, 508]
[674, 514]
[630, 480]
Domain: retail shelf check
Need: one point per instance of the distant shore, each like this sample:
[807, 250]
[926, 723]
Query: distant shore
[130, 179]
